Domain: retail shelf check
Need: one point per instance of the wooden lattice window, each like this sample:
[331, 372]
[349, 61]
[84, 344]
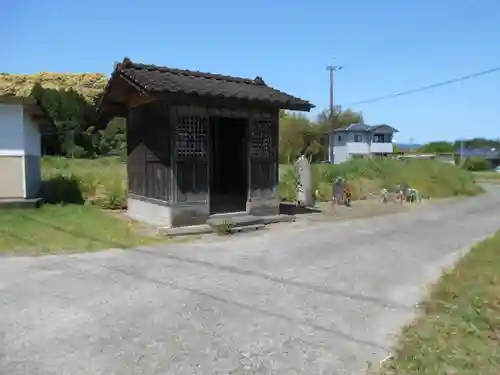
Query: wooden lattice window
[262, 145]
[191, 134]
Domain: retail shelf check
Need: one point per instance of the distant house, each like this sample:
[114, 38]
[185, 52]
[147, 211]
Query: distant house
[360, 140]
[21, 122]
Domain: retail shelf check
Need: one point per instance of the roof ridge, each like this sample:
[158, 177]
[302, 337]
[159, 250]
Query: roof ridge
[153, 79]
[129, 64]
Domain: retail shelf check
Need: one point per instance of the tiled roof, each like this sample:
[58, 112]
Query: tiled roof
[157, 80]
[383, 129]
[362, 127]
[358, 127]
[486, 153]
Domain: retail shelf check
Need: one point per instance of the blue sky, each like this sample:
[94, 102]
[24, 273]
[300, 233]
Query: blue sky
[385, 46]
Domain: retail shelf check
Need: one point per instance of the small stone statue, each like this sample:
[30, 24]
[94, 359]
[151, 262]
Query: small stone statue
[384, 194]
[338, 190]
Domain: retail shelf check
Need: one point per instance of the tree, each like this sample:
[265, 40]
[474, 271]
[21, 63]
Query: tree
[438, 147]
[477, 163]
[316, 147]
[299, 135]
[291, 130]
[328, 121]
[482, 143]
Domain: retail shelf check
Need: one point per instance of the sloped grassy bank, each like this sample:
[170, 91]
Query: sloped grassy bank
[364, 176]
[102, 181]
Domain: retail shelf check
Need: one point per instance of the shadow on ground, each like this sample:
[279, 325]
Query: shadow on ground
[62, 189]
[292, 209]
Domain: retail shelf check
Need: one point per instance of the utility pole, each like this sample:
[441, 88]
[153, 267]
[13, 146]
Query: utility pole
[410, 143]
[331, 69]
[461, 152]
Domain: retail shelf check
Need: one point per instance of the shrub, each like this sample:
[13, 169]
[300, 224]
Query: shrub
[224, 229]
[477, 163]
[114, 199]
[287, 188]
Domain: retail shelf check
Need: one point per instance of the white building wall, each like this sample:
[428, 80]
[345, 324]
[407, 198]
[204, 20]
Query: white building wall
[337, 149]
[386, 147]
[19, 134]
[358, 148]
[341, 154]
[20, 138]
[11, 130]
[31, 133]
[343, 148]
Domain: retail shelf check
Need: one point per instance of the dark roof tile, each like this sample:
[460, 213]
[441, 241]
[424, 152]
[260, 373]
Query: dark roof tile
[362, 127]
[156, 79]
[357, 127]
[383, 129]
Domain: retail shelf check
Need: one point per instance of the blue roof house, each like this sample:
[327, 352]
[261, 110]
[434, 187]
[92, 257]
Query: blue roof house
[360, 140]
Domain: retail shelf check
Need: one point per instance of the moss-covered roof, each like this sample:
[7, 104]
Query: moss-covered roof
[88, 85]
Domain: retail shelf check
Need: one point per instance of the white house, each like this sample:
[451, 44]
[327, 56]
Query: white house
[360, 140]
[21, 122]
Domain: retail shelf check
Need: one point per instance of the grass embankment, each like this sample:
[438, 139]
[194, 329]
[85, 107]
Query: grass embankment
[491, 177]
[364, 176]
[56, 228]
[458, 330]
[100, 182]
[103, 181]
[78, 191]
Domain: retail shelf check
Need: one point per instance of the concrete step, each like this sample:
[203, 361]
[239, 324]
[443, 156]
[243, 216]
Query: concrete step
[20, 203]
[246, 228]
[235, 221]
[191, 230]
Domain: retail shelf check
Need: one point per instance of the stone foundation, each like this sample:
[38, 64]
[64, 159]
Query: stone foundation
[263, 203]
[163, 214]
[150, 213]
[190, 214]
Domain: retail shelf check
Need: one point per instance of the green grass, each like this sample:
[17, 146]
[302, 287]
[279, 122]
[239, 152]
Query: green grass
[55, 228]
[487, 176]
[102, 181]
[458, 330]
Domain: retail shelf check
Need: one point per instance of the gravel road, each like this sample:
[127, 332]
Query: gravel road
[323, 299]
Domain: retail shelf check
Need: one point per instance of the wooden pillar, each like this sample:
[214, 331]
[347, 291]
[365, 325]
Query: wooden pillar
[264, 171]
[190, 158]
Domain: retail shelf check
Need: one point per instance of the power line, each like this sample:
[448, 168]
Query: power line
[424, 88]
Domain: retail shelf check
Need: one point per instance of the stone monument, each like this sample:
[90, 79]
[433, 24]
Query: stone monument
[304, 183]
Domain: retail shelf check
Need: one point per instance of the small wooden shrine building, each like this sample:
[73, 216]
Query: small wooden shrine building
[197, 143]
